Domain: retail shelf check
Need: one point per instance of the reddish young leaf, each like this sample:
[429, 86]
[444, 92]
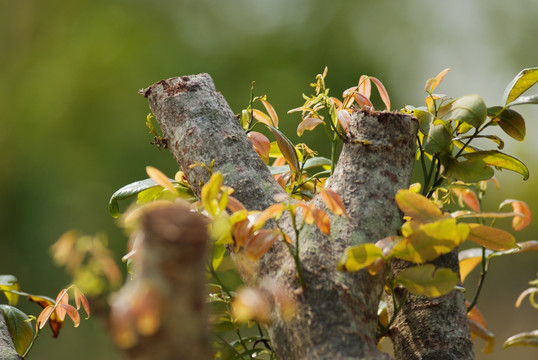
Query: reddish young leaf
[382, 92]
[344, 118]
[260, 243]
[72, 312]
[241, 232]
[308, 124]
[519, 222]
[235, 205]
[365, 86]
[475, 315]
[271, 111]
[287, 149]
[81, 299]
[261, 144]
[530, 291]
[337, 103]
[44, 316]
[333, 202]
[61, 299]
[469, 198]
[432, 83]
[322, 220]
[274, 211]
[307, 212]
[362, 100]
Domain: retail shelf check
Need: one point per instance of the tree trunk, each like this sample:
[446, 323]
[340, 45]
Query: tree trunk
[7, 349]
[337, 313]
[161, 312]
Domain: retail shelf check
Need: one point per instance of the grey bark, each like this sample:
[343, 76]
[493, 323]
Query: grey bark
[169, 281]
[7, 349]
[337, 313]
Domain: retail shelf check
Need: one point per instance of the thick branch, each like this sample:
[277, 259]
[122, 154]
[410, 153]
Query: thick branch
[431, 329]
[337, 313]
[161, 312]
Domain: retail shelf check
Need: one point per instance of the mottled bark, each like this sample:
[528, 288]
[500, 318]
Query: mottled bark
[337, 313]
[7, 349]
[431, 329]
[161, 312]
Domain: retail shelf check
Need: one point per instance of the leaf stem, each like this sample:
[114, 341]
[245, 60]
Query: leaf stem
[481, 280]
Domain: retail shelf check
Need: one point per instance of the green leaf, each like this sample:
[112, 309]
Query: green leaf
[218, 255]
[425, 118]
[438, 140]
[287, 149]
[19, 327]
[358, 257]
[128, 191]
[317, 161]
[500, 160]
[521, 83]
[522, 339]
[491, 238]
[469, 171]
[417, 206]
[470, 109]
[509, 120]
[524, 100]
[427, 280]
[10, 282]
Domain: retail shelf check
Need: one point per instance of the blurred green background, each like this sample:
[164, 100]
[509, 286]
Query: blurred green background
[72, 124]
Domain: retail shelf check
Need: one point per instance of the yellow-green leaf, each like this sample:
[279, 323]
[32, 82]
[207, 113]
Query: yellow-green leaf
[210, 192]
[427, 280]
[432, 83]
[522, 339]
[430, 241]
[417, 206]
[519, 84]
[491, 238]
[358, 257]
[8, 283]
[438, 139]
[262, 117]
[19, 327]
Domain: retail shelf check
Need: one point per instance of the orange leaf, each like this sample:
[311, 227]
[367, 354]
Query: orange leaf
[235, 205]
[61, 299]
[469, 198]
[431, 84]
[44, 316]
[476, 316]
[382, 92]
[81, 299]
[160, 178]
[344, 118]
[260, 243]
[484, 334]
[273, 211]
[333, 202]
[337, 103]
[322, 220]
[521, 222]
[307, 212]
[262, 117]
[251, 304]
[72, 312]
[241, 232]
[491, 238]
[308, 124]
[261, 144]
[365, 86]
[271, 111]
